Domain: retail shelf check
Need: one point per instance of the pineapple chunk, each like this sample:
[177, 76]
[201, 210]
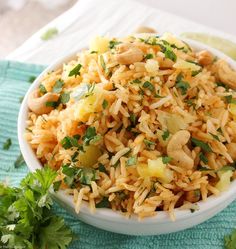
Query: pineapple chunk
[155, 168]
[224, 182]
[90, 156]
[173, 40]
[90, 104]
[232, 109]
[182, 64]
[99, 44]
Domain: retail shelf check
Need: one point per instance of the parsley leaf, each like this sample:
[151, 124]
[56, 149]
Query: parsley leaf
[32, 79]
[58, 86]
[104, 104]
[102, 168]
[7, 144]
[204, 146]
[148, 56]
[165, 135]
[75, 71]
[230, 240]
[90, 135]
[19, 161]
[215, 136]
[69, 142]
[49, 34]
[149, 86]
[56, 185]
[136, 81]
[166, 159]
[131, 161]
[113, 44]
[42, 89]
[133, 119]
[104, 203]
[203, 158]
[183, 86]
[149, 144]
[229, 99]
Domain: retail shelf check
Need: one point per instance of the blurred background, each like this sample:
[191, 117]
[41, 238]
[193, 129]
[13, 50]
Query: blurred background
[19, 19]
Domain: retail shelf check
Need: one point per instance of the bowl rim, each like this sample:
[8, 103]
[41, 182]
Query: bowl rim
[104, 213]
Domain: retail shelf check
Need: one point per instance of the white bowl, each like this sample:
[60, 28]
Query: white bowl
[113, 221]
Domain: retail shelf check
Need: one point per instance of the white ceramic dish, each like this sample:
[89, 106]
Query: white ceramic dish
[113, 221]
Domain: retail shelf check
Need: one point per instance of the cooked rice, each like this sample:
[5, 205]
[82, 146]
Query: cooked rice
[135, 110]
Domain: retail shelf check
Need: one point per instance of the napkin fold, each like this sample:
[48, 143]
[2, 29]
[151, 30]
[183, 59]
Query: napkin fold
[14, 82]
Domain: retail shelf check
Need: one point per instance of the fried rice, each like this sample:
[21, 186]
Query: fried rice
[140, 125]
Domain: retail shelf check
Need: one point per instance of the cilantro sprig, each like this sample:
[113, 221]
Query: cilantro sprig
[26, 220]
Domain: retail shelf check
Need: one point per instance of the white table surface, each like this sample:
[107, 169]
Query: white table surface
[89, 18]
[218, 14]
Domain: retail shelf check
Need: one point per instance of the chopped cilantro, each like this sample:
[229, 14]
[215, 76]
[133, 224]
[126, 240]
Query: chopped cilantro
[148, 56]
[42, 89]
[74, 157]
[56, 185]
[68, 142]
[149, 144]
[104, 104]
[182, 85]
[215, 136]
[133, 119]
[113, 44]
[90, 135]
[57, 88]
[93, 52]
[204, 146]
[103, 64]
[166, 159]
[190, 102]
[31, 79]
[102, 168]
[136, 81]
[201, 168]
[53, 104]
[75, 71]
[104, 203]
[131, 161]
[169, 54]
[7, 144]
[149, 86]
[229, 99]
[230, 240]
[91, 88]
[19, 161]
[64, 98]
[165, 135]
[49, 34]
[203, 158]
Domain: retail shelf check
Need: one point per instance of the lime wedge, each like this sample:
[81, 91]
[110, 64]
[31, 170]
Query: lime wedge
[225, 46]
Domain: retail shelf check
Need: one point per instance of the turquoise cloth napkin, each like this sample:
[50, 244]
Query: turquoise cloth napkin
[14, 82]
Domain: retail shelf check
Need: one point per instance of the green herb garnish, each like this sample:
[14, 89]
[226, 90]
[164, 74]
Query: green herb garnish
[19, 161]
[149, 86]
[7, 144]
[131, 161]
[64, 98]
[133, 119]
[165, 135]
[69, 142]
[113, 44]
[49, 34]
[75, 71]
[215, 136]
[148, 56]
[104, 104]
[166, 159]
[229, 99]
[230, 240]
[103, 64]
[149, 144]
[204, 146]
[203, 158]
[102, 168]
[57, 88]
[90, 135]
[57, 185]
[104, 203]
[182, 85]
[42, 89]
[32, 79]
[26, 219]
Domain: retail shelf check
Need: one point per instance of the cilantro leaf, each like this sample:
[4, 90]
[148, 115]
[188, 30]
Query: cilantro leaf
[102, 168]
[68, 142]
[19, 161]
[104, 104]
[215, 136]
[104, 203]
[204, 146]
[149, 86]
[64, 98]
[7, 144]
[113, 44]
[90, 135]
[49, 34]
[166, 159]
[148, 56]
[230, 240]
[165, 135]
[131, 161]
[149, 144]
[203, 158]
[58, 86]
[229, 99]
[42, 89]
[75, 71]
[31, 79]
[133, 119]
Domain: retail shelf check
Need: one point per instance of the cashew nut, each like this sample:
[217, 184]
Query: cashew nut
[226, 74]
[128, 54]
[231, 147]
[205, 58]
[37, 104]
[145, 29]
[175, 149]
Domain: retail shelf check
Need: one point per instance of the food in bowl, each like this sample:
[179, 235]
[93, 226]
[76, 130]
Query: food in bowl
[140, 125]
